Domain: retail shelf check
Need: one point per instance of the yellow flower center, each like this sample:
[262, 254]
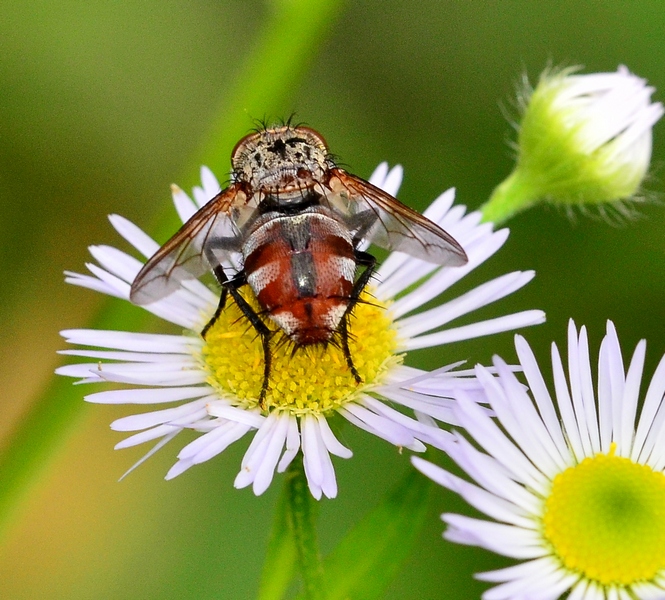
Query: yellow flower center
[313, 379]
[605, 518]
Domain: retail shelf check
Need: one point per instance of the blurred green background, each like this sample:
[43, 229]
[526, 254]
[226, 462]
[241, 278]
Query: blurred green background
[104, 104]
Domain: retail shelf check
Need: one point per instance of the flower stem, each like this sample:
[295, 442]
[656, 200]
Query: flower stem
[302, 515]
[514, 194]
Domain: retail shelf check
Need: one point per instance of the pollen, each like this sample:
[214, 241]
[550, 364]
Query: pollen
[605, 519]
[311, 379]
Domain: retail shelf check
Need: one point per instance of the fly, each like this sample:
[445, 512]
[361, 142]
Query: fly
[294, 221]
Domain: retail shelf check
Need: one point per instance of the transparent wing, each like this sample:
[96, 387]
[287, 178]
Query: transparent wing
[183, 256]
[386, 222]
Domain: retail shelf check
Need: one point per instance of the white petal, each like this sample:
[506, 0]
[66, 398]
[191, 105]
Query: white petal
[617, 378]
[380, 425]
[177, 360]
[576, 391]
[507, 540]
[438, 407]
[134, 235]
[209, 182]
[318, 466]
[487, 503]
[292, 445]
[546, 583]
[120, 288]
[630, 399]
[475, 299]
[479, 329]
[379, 175]
[231, 433]
[652, 416]
[605, 407]
[178, 469]
[183, 204]
[490, 437]
[157, 417]
[147, 436]
[116, 262]
[123, 340]
[516, 413]
[586, 391]
[541, 397]
[158, 446]
[565, 405]
[165, 378]
[493, 476]
[150, 396]
[266, 469]
[388, 180]
[331, 442]
[222, 409]
[92, 283]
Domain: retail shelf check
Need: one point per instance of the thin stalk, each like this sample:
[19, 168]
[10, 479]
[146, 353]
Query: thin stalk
[302, 515]
[513, 195]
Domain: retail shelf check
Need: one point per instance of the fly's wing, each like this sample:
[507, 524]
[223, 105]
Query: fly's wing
[386, 222]
[184, 255]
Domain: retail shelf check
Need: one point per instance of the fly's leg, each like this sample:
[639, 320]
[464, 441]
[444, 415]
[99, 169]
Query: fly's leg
[222, 279]
[364, 259]
[344, 334]
[261, 328]
[360, 223]
[231, 286]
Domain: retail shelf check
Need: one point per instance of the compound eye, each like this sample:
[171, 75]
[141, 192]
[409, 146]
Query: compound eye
[315, 138]
[240, 147]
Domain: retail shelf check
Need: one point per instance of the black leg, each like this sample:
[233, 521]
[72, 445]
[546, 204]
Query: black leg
[360, 224]
[221, 278]
[369, 262]
[261, 328]
[231, 286]
[344, 334]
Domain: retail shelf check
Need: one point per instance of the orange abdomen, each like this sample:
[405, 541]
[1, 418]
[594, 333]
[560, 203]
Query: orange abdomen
[302, 270]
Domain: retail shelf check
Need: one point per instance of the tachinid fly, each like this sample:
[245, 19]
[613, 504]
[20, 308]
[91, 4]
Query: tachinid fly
[294, 221]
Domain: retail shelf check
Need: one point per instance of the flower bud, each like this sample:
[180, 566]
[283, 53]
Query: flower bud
[582, 139]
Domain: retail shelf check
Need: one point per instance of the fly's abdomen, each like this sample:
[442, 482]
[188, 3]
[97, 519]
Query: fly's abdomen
[302, 270]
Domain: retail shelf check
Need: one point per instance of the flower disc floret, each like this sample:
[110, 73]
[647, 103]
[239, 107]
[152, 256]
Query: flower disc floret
[604, 518]
[310, 379]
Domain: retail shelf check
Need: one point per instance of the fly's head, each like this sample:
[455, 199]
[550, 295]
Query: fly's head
[281, 160]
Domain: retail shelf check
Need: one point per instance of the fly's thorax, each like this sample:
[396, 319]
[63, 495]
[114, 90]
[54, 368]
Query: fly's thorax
[301, 268]
[281, 159]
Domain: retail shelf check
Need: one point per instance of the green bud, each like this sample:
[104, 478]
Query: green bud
[582, 139]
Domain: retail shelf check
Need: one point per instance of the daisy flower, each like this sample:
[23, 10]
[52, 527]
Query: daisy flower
[211, 386]
[575, 489]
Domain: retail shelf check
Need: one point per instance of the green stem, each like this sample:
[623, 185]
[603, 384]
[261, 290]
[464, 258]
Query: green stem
[302, 515]
[280, 561]
[515, 194]
[284, 47]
